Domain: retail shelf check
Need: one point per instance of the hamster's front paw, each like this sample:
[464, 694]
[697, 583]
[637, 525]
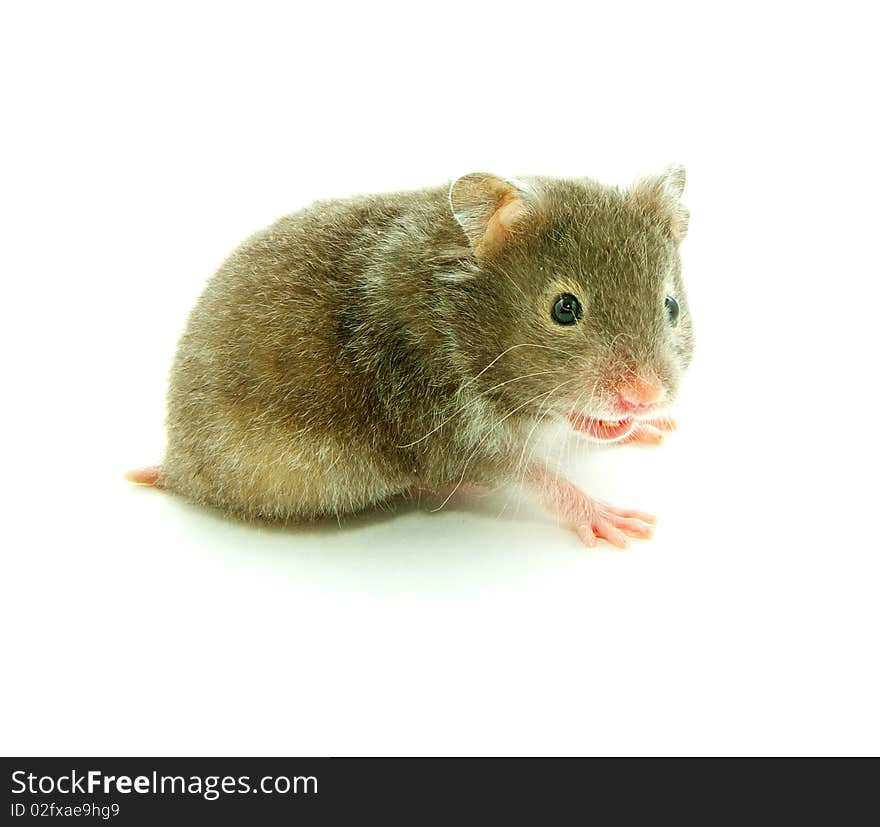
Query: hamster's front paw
[650, 431]
[594, 519]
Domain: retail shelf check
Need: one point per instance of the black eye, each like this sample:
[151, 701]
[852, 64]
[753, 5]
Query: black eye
[567, 309]
[672, 310]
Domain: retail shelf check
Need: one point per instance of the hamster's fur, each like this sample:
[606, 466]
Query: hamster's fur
[366, 347]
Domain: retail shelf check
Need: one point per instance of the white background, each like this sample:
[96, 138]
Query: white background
[140, 144]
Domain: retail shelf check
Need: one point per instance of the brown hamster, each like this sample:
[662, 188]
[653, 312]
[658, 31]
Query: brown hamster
[366, 347]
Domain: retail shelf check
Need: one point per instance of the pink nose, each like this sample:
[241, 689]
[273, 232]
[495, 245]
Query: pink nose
[638, 393]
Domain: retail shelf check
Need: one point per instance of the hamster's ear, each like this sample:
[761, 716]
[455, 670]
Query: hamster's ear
[488, 209]
[662, 195]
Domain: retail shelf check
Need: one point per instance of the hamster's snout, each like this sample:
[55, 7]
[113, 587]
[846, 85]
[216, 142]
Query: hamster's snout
[639, 393]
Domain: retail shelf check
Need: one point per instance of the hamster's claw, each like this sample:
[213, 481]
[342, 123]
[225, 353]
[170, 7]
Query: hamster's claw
[650, 431]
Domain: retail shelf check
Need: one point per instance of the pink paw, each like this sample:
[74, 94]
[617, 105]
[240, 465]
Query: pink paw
[650, 431]
[594, 519]
[600, 520]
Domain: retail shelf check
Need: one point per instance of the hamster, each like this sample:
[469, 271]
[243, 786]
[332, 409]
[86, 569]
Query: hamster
[371, 346]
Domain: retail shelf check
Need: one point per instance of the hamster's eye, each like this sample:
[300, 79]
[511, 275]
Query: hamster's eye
[672, 310]
[567, 309]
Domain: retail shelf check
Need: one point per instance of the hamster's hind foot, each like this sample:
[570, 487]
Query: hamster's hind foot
[592, 518]
[650, 431]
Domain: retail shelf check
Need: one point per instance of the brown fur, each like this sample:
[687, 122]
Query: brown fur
[339, 356]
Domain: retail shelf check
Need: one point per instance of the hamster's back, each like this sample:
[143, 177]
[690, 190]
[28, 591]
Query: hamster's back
[264, 380]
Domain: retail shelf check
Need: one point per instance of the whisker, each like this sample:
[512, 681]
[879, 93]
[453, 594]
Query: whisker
[539, 419]
[513, 347]
[489, 433]
[470, 402]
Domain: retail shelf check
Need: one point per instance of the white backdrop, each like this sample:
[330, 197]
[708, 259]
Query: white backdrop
[141, 143]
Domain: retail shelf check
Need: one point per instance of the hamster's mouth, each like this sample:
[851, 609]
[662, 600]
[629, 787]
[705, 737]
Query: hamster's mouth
[602, 430]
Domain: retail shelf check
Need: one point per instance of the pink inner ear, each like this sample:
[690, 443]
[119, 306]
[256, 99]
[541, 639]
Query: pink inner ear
[501, 222]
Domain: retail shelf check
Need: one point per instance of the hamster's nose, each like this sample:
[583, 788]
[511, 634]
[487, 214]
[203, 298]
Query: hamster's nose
[638, 393]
